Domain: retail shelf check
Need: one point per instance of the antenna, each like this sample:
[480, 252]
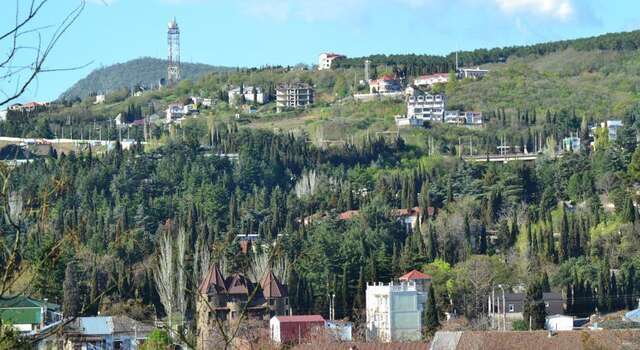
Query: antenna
[173, 38]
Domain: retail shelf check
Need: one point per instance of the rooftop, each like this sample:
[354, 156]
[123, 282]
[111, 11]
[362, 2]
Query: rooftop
[415, 275]
[300, 318]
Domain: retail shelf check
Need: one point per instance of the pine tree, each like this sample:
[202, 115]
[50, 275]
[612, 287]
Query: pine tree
[430, 314]
[71, 289]
[629, 211]
[433, 244]
[344, 292]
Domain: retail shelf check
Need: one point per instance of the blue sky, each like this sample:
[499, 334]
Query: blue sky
[259, 32]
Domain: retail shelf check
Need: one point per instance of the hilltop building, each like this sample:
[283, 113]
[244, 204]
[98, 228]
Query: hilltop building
[224, 299]
[472, 73]
[296, 95]
[325, 60]
[429, 81]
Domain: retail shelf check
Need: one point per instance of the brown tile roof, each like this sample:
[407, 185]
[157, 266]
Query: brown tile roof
[271, 287]
[575, 340]
[366, 346]
[238, 284]
[213, 283]
[414, 275]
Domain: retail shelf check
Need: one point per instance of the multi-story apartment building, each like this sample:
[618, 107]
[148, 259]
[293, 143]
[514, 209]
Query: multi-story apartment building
[325, 60]
[426, 106]
[251, 94]
[297, 95]
[394, 312]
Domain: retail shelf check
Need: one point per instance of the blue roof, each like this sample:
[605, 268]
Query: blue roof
[99, 325]
[633, 316]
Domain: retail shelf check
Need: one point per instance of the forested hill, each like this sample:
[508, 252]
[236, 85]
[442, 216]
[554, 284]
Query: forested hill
[414, 64]
[143, 71]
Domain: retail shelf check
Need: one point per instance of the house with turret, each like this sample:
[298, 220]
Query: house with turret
[236, 297]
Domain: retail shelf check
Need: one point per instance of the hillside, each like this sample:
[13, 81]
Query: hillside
[143, 71]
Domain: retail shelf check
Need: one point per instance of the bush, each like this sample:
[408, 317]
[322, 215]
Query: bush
[519, 325]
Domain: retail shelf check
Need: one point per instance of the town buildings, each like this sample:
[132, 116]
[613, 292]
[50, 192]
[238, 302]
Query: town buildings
[513, 305]
[325, 60]
[248, 94]
[394, 312]
[223, 299]
[29, 107]
[294, 329]
[294, 95]
[428, 81]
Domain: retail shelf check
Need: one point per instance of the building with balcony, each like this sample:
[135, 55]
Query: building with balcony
[394, 312]
[386, 84]
[291, 96]
[326, 59]
[248, 94]
[426, 106]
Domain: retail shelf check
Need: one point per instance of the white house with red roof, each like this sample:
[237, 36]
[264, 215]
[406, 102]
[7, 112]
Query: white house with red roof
[386, 84]
[326, 59]
[431, 79]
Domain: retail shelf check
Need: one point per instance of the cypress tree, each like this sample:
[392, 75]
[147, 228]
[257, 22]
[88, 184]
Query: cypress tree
[483, 240]
[344, 292]
[534, 307]
[564, 236]
[630, 287]
[430, 314]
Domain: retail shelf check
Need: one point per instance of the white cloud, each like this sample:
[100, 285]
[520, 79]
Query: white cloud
[558, 9]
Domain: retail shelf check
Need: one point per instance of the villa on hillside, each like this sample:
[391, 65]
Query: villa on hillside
[325, 60]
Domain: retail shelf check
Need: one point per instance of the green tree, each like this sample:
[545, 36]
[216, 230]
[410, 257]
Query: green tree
[430, 317]
[534, 307]
[157, 340]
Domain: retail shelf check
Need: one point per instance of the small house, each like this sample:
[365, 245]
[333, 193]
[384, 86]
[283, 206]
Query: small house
[294, 329]
[27, 314]
[559, 323]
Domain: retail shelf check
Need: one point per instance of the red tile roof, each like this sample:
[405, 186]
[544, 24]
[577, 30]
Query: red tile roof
[348, 215]
[300, 318]
[414, 275]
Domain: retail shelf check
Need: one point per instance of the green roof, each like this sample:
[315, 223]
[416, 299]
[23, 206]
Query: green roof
[23, 310]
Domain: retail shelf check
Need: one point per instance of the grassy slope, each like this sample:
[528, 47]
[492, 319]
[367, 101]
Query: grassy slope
[595, 83]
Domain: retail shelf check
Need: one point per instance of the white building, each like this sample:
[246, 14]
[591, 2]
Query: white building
[426, 106]
[472, 73]
[101, 98]
[326, 59]
[299, 95]
[403, 120]
[571, 144]
[3, 115]
[174, 112]
[613, 126]
[251, 94]
[558, 323]
[394, 312]
[386, 84]
[430, 80]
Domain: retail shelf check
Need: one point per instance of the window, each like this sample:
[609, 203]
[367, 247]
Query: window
[511, 308]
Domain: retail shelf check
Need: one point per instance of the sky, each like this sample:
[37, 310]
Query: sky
[251, 33]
